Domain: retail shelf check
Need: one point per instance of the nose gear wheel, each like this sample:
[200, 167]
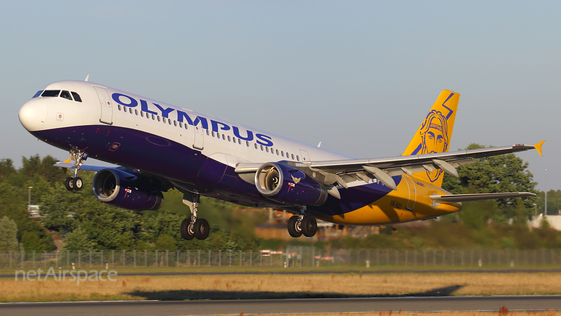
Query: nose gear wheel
[76, 183]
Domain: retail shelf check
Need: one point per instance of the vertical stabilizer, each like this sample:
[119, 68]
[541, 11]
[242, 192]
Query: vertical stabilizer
[435, 133]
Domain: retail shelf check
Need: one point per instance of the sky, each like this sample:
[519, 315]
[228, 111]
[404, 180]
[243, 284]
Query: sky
[359, 76]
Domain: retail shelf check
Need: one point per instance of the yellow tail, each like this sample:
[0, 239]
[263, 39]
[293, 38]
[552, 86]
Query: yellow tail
[435, 133]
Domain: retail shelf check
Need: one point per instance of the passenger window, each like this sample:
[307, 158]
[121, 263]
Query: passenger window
[282, 153]
[130, 110]
[136, 112]
[223, 138]
[174, 123]
[297, 158]
[38, 93]
[119, 107]
[255, 144]
[141, 114]
[292, 156]
[247, 143]
[267, 149]
[180, 124]
[50, 93]
[76, 97]
[207, 132]
[277, 152]
[228, 137]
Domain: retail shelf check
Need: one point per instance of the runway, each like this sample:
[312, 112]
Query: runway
[224, 307]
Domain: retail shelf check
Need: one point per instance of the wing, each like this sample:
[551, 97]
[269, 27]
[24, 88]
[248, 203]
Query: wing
[342, 172]
[68, 165]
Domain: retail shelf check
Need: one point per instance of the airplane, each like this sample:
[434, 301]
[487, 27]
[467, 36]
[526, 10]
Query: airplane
[158, 146]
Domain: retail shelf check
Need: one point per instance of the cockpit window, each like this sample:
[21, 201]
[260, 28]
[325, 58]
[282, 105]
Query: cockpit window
[38, 93]
[50, 93]
[76, 97]
[66, 95]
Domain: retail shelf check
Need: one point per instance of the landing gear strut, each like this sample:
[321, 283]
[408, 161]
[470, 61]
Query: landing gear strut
[193, 227]
[302, 224]
[76, 183]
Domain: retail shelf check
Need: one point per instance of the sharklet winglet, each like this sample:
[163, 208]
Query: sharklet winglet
[538, 147]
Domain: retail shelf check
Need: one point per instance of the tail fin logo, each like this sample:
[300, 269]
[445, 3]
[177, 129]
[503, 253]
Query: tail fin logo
[434, 134]
[434, 138]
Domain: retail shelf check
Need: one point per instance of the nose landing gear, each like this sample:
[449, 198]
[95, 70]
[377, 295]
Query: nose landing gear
[76, 183]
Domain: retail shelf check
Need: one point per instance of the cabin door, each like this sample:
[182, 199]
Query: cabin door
[106, 107]
[199, 137]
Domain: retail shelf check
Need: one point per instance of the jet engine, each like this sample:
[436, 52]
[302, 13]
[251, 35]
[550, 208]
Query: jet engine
[288, 185]
[120, 188]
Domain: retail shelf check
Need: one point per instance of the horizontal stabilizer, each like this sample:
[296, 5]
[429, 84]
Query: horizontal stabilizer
[479, 196]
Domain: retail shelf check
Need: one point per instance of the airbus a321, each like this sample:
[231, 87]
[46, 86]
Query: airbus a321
[158, 146]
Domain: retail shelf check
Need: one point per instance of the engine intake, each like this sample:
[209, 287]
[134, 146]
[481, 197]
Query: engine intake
[288, 185]
[125, 190]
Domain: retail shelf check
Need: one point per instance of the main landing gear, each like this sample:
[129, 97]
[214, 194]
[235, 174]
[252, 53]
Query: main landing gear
[302, 224]
[193, 227]
[76, 183]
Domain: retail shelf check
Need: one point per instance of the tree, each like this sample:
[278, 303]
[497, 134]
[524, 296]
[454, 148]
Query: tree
[6, 168]
[503, 173]
[106, 226]
[34, 165]
[166, 242]
[8, 235]
[79, 240]
[13, 205]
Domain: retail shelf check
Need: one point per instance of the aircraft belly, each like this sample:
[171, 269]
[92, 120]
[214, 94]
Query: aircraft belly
[159, 156]
[129, 147]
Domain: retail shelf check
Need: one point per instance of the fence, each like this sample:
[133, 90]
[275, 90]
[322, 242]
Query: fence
[289, 257]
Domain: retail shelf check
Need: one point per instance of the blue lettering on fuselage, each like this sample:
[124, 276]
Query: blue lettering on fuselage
[216, 126]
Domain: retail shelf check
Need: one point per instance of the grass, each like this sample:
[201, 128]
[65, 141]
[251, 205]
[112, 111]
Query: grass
[326, 269]
[445, 313]
[229, 286]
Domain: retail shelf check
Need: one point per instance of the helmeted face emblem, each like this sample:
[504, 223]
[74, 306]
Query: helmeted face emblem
[434, 138]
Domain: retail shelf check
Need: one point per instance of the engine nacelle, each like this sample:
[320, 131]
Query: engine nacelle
[287, 185]
[125, 190]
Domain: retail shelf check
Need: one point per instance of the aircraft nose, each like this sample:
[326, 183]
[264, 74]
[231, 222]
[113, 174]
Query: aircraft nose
[33, 115]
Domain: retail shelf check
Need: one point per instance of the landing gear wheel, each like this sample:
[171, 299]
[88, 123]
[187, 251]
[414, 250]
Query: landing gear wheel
[78, 183]
[194, 226]
[201, 229]
[69, 183]
[309, 226]
[294, 227]
[186, 233]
